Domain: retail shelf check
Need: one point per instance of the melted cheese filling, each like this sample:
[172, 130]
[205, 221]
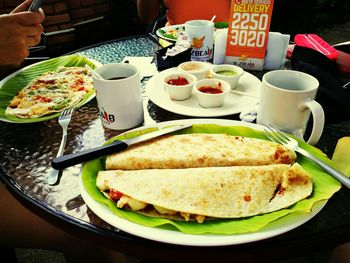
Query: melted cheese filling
[137, 205]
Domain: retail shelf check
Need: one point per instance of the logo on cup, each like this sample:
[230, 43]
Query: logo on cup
[108, 118]
[198, 42]
[199, 52]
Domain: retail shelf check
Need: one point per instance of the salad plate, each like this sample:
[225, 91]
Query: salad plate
[12, 84]
[168, 32]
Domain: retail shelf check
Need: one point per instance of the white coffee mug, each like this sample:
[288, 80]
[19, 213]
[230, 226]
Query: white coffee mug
[286, 99]
[201, 34]
[118, 95]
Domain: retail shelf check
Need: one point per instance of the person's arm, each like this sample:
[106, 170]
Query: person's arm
[148, 10]
[19, 30]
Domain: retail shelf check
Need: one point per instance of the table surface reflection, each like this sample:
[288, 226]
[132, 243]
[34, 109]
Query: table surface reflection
[27, 150]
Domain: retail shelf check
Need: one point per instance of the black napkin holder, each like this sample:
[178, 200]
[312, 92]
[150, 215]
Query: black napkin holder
[171, 61]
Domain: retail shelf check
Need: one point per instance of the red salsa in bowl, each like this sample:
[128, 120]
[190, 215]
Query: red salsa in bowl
[211, 93]
[210, 90]
[179, 81]
[178, 85]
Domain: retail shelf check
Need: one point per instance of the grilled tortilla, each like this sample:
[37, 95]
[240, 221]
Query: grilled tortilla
[215, 192]
[199, 150]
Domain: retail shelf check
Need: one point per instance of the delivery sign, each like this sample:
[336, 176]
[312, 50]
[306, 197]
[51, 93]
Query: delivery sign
[248, 32]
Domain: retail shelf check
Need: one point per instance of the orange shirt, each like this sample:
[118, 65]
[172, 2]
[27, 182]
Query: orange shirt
[180, 11]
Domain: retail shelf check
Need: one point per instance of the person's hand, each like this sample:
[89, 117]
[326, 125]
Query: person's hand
[19, 30]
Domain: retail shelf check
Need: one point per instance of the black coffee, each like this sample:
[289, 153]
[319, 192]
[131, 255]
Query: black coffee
[116, 78]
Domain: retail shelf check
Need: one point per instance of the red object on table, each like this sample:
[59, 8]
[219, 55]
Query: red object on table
[315, 42]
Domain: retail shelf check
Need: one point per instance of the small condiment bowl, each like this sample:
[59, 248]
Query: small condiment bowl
[205, 88]
[178, 90]
[196, 68]
[227, 72]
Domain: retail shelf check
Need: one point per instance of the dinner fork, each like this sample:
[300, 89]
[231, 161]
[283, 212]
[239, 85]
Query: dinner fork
[63, 120]
[276, 135]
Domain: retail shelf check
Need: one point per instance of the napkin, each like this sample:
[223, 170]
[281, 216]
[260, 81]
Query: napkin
[341, 155]
[249, 114]
[276, 50]
[145, 64]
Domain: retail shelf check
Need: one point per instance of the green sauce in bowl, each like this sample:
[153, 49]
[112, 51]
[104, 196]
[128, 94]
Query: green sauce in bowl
[226, 72]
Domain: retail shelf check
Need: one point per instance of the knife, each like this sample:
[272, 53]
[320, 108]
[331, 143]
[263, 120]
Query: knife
[65, 161]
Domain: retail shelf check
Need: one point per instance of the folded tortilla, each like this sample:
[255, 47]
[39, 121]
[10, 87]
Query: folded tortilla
[198, 193]
[200, 150]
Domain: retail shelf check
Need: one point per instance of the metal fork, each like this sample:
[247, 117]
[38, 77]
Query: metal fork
[275, 135]
[63, 120]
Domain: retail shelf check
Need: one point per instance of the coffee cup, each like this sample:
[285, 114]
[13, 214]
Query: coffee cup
[287, 98]
[201, 34]
[118, 94]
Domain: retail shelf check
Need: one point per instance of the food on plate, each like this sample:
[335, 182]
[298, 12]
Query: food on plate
[197, 68]
[226, 72]
[200, 150]
[211, 90]
[211, 93]
[191, 66]
[172, 33]
[178, 86]
[214, 192]
[179, 81]
[51, 92]
[169, 33]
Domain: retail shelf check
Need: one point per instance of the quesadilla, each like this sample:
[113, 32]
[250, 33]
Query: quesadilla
[51, 92]
[214, 192]
[199, 150]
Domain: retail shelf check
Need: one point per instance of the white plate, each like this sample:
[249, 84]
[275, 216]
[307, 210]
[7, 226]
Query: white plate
[46, 117]
[233, 103]
[165, 29]
[275, 228]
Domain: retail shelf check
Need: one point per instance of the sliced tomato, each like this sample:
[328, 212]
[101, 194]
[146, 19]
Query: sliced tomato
[42, 98]
[115, 195]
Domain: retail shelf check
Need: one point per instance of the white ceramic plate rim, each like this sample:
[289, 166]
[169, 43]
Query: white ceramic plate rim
[233, 103]
[274, 228]
[4, 80]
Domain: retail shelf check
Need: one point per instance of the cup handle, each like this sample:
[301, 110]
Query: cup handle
[318, 119]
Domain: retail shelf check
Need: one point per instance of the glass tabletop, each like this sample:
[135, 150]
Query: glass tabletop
[27, 150]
